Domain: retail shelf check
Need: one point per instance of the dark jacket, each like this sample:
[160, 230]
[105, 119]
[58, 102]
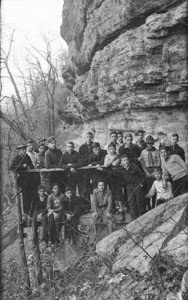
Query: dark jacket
[74, 159]
[133, 175]
[18, 162]
[97, 159]
[85, 150]
[132, 153]
[52, 158]
[177, 150]
[71, 205]
[40, 206]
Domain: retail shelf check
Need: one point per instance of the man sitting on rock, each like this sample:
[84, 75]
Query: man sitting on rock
[102, 207]
[174, 168]
[162, 189]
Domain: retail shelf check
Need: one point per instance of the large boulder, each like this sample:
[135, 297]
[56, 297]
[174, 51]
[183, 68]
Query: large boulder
[136, 245]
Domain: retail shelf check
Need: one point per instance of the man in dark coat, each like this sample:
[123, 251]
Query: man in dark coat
[175, 148]
[71, 161]
[52, 160]
[96, 158]
[27, 182]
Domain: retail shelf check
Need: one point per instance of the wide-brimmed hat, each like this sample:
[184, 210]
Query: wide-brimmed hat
[150, 139]
[22, 146]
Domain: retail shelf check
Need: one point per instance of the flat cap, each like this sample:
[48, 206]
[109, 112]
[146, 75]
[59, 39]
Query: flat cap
[29, 141]
[22, 146]
[95, 145]
[150, 139]
[137, 132]
[41, 140]
[51, 139]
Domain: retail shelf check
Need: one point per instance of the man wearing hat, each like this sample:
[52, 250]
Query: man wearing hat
[22, 162]
[150, 159]
[52, 160]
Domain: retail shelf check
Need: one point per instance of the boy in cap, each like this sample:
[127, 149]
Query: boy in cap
[52, 160]
[150, 159]
[71, 211]
[102, 207]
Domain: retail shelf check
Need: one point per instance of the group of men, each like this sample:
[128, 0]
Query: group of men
[136, 175]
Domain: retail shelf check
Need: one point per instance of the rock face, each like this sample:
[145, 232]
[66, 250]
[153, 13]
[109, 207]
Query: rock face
[129, 63]
[158, 231]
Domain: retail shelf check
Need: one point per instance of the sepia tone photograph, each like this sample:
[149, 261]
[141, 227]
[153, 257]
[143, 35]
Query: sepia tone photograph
[94, 150]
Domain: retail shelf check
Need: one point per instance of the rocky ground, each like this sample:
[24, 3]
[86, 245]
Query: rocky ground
[106, 270]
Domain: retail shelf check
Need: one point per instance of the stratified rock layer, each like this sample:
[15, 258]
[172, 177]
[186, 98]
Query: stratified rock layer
[136, 245]
[128, 58]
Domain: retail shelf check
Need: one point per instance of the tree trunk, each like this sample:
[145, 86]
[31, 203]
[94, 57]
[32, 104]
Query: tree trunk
[21, 239]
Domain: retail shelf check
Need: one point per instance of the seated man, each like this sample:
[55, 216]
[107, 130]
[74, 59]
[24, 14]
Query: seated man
[40, 215]
[96, 158]
[175, 148]
[71, 211]
[71, 160]
[161, 188]
[174, 168]
[55, 214]
[102, 207]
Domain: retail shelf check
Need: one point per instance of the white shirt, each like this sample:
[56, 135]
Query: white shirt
[157, 187]
[34, 157]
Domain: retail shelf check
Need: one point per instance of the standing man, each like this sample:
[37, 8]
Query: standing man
[175, 148]
[22, 162]
[120, 141]
[102, 207]
[140, 143]
[174, 168]
[84, 185]
[96, 158]
[113, 139]
[52, 160]
[150, 159]
[71, 160]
